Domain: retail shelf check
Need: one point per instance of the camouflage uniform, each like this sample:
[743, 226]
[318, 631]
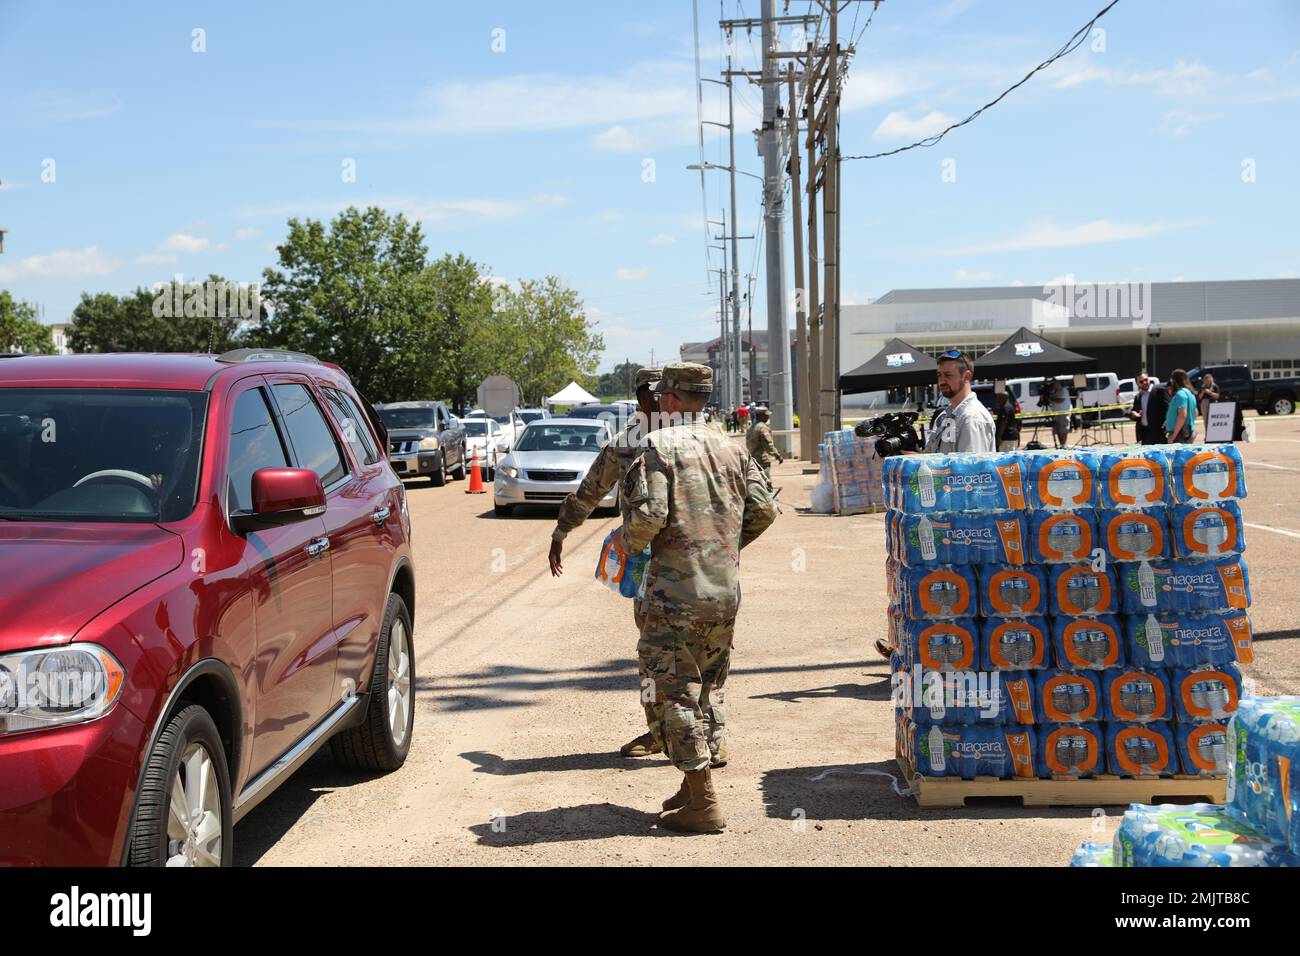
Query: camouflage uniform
[762, 447]
[697, 499]
[607, 472]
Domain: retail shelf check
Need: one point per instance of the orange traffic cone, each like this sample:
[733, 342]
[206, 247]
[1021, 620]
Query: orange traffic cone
[475, 478]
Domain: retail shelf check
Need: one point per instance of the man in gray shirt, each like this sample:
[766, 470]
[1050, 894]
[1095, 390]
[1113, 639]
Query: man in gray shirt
[965, 425]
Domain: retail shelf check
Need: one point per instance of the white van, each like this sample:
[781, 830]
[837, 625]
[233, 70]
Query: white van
[1102, 389]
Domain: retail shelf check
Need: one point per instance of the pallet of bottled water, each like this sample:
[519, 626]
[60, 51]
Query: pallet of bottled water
[851, 468]
[1067, 615]
[1259, 825]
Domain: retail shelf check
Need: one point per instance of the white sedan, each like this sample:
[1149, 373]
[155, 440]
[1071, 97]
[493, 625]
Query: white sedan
[549, 461]
[485, 442]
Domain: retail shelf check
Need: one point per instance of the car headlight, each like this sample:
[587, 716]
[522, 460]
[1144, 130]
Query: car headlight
[57, 686]
[429, 444]
[510, 471]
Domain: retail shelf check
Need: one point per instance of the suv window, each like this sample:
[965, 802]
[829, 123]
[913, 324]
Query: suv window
[254, 443]
[309, 433]
[355, 431]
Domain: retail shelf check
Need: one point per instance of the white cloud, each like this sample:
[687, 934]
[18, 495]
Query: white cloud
[663, 239]
[897, 125]
[628, 274]
[1181, 122]
[1182, 79]
[966, 275]
[64, 264]
[620, 138]
[248, 232]
[182, 242]
[607, 215]
[1050, 236]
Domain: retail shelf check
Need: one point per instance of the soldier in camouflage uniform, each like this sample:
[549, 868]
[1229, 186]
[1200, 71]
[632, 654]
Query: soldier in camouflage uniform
[607, 472]
[696, 498]
[759, 441]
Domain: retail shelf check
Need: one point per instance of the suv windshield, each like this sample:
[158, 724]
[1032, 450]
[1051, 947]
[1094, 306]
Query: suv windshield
[99, 454]
[546, 437]
[407, 417]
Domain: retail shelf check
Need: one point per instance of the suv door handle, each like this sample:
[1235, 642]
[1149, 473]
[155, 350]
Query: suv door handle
[318, 547]
[381, 515]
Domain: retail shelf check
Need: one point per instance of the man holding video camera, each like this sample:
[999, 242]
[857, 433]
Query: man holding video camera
[965, 425]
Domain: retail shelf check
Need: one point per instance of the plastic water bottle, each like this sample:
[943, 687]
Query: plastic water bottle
[1155, 637]
[1147, 586]
[936, 751]
[925, 485]
[925, 532]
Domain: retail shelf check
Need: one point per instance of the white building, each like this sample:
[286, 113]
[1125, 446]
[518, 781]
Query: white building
[60, 335]
[1159, 325]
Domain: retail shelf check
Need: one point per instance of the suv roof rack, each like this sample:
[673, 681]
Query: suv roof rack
[239, 356]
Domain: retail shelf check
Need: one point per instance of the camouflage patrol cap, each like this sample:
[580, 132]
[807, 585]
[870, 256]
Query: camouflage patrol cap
[648, 376]
[686, 377]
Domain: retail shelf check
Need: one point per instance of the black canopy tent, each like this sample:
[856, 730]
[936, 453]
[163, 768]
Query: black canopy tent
[897, 365]
[1025, 354]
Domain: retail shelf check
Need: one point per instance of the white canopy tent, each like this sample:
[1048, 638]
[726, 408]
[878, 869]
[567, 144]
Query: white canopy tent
[571, 394]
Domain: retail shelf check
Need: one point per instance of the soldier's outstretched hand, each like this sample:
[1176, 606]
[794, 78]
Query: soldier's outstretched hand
[557, 567]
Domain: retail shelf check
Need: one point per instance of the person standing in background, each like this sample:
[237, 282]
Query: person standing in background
[1148, 414]
[1182, 409]
[1057, 397]
[1205, 395]
[1006, 425]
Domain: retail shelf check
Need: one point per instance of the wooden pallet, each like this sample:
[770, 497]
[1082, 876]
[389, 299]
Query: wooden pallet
[1099, 791]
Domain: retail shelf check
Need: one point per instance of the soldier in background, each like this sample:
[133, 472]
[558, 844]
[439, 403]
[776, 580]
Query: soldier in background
[697, 499]
[759, 441]
[607, 472]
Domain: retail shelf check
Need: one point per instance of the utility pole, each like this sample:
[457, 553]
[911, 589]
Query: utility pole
[735, 224]
[814, 375]
[807, 431]
[778, 325]
[830, 229]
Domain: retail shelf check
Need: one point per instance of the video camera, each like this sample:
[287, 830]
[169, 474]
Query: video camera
[894, 433]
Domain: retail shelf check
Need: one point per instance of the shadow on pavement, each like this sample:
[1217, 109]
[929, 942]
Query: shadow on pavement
[1288, 635]
[880, 690]
[608, 760]
[267, 824]
[591, 821]
[864, 792]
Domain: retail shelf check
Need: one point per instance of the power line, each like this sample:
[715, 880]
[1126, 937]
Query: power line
[1070, 46]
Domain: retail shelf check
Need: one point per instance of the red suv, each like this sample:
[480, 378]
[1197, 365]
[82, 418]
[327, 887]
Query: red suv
[205, 574]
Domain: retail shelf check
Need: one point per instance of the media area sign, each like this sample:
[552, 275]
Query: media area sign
[1219, 421]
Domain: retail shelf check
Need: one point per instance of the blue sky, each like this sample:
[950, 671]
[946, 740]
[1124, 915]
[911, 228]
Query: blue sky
[1122, 163]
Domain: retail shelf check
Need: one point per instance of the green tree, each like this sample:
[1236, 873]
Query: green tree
[355, 293]
[455, 331]
[168, 318]
[541, 338]
[20, 329]
[619, 383]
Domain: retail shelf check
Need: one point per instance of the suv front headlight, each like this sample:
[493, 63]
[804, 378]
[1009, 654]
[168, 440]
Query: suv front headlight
[429, 444]
[57, 686]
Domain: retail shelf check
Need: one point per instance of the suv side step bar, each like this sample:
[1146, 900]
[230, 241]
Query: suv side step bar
[347, 713]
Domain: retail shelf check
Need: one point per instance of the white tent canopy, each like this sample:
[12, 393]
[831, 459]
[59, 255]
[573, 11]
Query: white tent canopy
[571, 394]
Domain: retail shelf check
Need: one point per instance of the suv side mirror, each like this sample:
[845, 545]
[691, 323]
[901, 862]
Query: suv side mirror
[282, 496]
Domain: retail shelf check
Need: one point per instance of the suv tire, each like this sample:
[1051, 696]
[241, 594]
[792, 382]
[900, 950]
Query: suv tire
[374, 746]
[439, 477]
[458, 473]
[1283, 405]
[188, 761]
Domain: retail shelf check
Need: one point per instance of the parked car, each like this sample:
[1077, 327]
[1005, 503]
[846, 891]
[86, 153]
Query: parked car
[483, 438]
[616, 414]
[1102, 388]
[1271, 396]
[207, 576]
[424, 439]
[548, 462]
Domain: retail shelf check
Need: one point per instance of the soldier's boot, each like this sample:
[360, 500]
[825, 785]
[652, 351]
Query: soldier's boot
[680, 798]
[719, 759]
[642, 746]
[701, 813]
